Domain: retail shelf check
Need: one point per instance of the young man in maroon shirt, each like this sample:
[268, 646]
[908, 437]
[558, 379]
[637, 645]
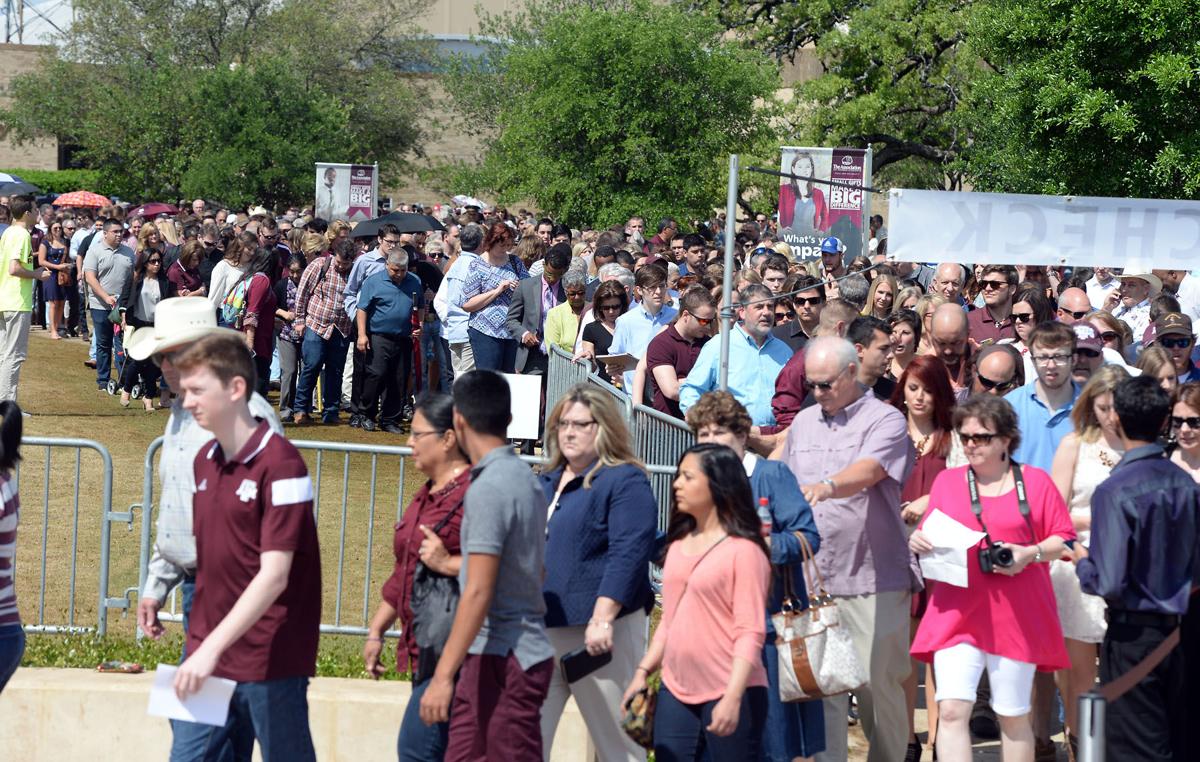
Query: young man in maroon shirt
[257, 609]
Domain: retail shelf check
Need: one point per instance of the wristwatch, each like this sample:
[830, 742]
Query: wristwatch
[832, 485]
[1037, 559]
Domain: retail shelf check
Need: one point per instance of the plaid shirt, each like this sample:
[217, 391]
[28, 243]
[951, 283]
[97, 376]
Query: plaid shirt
[319, 301]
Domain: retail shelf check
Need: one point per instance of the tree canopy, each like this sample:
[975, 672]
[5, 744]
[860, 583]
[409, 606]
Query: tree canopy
[227, 99]
[599, 111]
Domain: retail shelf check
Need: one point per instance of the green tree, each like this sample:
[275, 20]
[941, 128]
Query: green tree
[232, 99]
[598, 111]
[1095, 97]
[893, 77]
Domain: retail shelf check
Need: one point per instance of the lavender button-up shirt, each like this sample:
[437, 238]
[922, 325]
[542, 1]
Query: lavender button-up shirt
[864, 547]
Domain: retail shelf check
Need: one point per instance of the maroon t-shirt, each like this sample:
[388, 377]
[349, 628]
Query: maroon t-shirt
[260, 500]
[260, 313]
[669, 348]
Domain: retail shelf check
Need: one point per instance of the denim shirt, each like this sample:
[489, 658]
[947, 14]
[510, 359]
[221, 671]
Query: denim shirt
[1143, 544]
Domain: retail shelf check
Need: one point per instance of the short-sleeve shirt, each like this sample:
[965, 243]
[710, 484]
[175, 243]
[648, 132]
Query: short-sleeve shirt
[482, 276]
[113, 268]
[669, 348]
[504, 514]
[16, 294]
[257, 501]
[389, 306]
[1041, 430]
[864, 546]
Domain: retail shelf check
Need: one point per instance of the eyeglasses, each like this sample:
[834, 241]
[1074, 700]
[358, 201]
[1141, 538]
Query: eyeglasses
[825, 386]
[810, 301]
[1077, 315]
[580, 426]
[702, 321]
[1087, 352]
[1193, 422]
[989, 384]
[989, 285]
[1179, 343]
[1051, 359]
[419, 434]
[1110, 336]
[391, 241]
[976, 439]
[1022, 317]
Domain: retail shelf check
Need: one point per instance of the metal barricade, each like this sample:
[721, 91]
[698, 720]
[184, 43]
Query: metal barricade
[659, 440]
[562, 372]
[60, 609]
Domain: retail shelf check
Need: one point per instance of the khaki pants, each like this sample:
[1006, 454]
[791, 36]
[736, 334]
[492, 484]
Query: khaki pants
[14, 345]
[462, 360]
[598, 695]
[879, 626]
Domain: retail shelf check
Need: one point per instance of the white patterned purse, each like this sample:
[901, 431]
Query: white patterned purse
[817, 657]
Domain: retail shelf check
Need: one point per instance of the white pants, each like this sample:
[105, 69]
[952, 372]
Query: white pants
[462, 360]
[958, 669]
[879, 626]
[14, 345]
[598, 695]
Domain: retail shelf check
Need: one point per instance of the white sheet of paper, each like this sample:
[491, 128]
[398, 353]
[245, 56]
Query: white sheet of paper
[525, 405]
[950, 539]
[208, 706]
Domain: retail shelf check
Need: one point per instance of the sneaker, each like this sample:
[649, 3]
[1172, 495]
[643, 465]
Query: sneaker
[391, 428]
[852, 714]
[367, 424]
[356, 421]
[407, 415]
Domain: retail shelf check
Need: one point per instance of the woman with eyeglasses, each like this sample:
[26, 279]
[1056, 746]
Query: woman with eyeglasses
[608, 303]
[925, 308]
[52, 255]
[141, 295]
[599, 536]
[881, 297]
[1004, 620]
[1030, 309]
[1083, 460]
[923, 393]
[1185, 428]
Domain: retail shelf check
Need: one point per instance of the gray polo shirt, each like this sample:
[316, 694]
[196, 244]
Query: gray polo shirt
[113, 268]
[504, 514]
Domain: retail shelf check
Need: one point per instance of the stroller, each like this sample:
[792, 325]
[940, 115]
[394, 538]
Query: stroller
[114, 382]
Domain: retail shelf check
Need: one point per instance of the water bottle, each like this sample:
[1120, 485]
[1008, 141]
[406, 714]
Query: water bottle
[764, 515]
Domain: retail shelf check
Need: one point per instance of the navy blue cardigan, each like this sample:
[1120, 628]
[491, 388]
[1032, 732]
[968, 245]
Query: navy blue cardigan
[598, 543]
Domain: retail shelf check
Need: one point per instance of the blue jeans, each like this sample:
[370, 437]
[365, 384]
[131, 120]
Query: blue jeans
[433, 347]
[680, 735]
[419, 742]
[12, 647]
[793, 729]
[492, 353]
[108, 343]
[317, 353]
[275, 712]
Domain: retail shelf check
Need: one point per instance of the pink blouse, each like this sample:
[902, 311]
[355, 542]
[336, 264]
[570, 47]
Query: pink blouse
[719, 617]
[1015, 617]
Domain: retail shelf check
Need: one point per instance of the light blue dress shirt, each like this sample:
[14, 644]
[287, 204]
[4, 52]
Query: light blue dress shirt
[454, 330]
[634, 331]
[1041, 432]
[364, 267]
[752, 373]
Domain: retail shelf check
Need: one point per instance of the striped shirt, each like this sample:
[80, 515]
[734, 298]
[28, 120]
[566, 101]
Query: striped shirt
[10, 511]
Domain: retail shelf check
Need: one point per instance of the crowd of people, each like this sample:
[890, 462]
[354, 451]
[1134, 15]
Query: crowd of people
[1055, 410]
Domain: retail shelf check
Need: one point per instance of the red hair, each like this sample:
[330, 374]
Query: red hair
[495, 234]
[930, 372]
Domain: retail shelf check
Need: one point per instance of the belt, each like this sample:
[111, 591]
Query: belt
[1143, 618]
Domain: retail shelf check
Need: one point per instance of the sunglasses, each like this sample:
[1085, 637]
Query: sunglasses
[154, 261]
[989, 384]
[1192, 422]
[784, 315]
[702, 321]
[826, 385]
[810, 301]
[1180, 343]
[1087, 353]
[1022, 317]
[1110, 336]
[608, 307]
[990, 285]
[1077, 315]
[976, 439]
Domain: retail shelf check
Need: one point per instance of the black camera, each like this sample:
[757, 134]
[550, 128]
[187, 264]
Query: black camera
[994, 556]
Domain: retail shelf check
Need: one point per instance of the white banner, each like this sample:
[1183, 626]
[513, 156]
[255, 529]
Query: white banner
[347, 191]
[1007, 228]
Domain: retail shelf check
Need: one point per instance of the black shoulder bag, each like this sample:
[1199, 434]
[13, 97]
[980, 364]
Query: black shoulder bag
[434, 603]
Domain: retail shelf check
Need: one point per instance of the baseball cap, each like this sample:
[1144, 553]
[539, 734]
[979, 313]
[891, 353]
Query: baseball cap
[1173, 323]
[831, 245]
[1087, 337]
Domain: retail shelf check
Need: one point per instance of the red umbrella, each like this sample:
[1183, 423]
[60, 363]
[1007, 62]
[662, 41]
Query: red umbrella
[81, 198]
[153, 209]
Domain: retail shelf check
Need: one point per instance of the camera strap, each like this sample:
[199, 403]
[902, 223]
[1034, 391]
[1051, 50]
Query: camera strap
[1022, 502]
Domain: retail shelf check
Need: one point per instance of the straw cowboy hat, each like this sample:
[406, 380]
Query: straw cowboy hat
[177, 321]
[1153, 280]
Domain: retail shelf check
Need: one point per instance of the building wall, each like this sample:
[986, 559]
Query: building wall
[42, 154]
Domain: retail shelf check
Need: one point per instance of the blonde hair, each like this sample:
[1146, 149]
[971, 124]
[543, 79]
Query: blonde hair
[166, 228]
[782, 247]
[613, 443]
[148, 229]
[1153, 360]
[1102, 382]
[335, 230]
[313, 245]
[869, 307]
[905, 294]
[929, 301]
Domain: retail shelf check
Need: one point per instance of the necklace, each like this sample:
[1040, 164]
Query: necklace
[1106, 460]
[920, 443]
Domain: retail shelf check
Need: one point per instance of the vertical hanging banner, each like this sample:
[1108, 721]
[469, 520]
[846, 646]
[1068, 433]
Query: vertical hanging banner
[812, 210]
[347, 191]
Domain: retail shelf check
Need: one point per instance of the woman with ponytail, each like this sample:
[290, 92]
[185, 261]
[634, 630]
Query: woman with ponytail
[12, 634]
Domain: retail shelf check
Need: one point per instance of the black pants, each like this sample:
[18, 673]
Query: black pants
[1148, 722]
[144, 370]
[358, 377]
[389, 363]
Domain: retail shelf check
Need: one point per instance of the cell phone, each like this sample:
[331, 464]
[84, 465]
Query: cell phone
[579, 663]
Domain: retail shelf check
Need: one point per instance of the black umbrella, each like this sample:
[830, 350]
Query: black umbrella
[405, 222]
[18, 188]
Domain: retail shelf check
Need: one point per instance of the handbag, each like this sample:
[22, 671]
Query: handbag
[434, 603]
[816, 655]
[63, 277]
[638, 720]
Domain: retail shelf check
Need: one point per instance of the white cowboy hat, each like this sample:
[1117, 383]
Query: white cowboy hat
[1150, 278]
[177, 321]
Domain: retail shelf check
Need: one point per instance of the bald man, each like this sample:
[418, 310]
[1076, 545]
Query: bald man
[998, 370]
[1073, 306]
[948, 336]
[948, 281]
